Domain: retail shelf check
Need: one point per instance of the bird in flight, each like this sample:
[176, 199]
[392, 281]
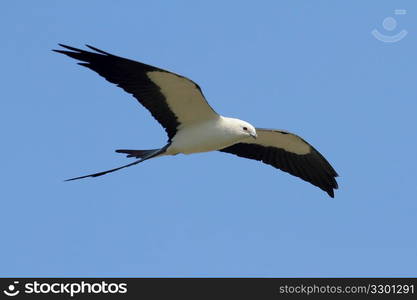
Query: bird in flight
[192, 126]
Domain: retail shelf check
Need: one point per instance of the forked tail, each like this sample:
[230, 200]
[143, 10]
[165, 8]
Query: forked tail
[142, 154]
[136, 153]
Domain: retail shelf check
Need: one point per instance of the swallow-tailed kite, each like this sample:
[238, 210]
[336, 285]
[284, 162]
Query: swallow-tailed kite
[192, 126]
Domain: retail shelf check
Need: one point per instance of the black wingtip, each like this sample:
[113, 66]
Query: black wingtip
[70, 48]
[97, 50]
[79, 51]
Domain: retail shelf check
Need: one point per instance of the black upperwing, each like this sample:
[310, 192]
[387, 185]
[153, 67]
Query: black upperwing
[172, 99]
[291, 154]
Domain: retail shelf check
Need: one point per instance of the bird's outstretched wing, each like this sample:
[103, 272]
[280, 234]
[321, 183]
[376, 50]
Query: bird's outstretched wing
[172, 99]
[290, 153]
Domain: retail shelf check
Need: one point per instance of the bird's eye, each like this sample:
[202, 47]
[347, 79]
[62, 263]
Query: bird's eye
[245, 128]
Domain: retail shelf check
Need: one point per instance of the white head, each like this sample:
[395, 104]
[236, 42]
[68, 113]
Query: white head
[243, 128]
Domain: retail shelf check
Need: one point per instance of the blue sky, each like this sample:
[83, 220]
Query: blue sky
[310, 67]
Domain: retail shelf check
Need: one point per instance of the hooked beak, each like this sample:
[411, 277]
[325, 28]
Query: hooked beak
[254, 135]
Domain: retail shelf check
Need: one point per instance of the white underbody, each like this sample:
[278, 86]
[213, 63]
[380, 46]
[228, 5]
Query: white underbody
[210, 135]
[201, 129]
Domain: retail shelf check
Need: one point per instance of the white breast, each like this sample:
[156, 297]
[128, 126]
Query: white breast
[205, 136]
